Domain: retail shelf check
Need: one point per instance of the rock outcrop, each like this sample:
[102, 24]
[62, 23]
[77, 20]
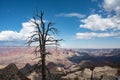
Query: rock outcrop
[104, 71]
[27, 69]
[35, 76]
[99, 73]
[87, 73]
[109, 78]
[11, 72]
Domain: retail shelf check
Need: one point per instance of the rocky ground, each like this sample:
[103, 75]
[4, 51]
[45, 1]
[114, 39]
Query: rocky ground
[97, 73]
[74, 72]
[11, 72]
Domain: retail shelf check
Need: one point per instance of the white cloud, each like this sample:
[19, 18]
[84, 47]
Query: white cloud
[27, 28]
[90, 35]
[9, 35]
[77, 15]
[112, 5]
[97, 22]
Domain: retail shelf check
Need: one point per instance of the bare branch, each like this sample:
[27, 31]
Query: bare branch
[33, 38]
[34, 32]
[39, 30]
[53, 30]
[50, 24]
[50, 75]
[50, 38]
[37, 25]
[48, 28]
[52, 44]
[34, 35]
[48, 53]
[42, 13]
[36, 58]
[39, 63]
[30, 42]
[37, 49]
[41, 19]
[54, 40]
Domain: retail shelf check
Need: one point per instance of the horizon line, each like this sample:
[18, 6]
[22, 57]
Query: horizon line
[64, 47]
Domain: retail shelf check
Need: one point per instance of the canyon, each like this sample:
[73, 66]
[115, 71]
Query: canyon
[64, 63]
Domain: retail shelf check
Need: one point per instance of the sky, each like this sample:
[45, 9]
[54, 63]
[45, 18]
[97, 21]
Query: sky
[81, 23]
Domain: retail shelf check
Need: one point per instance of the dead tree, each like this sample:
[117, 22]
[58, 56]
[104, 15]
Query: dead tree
[43, 35]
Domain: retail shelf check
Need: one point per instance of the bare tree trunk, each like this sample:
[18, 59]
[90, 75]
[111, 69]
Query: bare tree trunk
[92, 75]
[43, 68]
[92, 69]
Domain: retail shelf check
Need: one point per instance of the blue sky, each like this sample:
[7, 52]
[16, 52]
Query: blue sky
[82, 23]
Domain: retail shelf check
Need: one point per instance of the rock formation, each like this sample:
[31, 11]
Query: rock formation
[87, 73]
[99, 73]
[106, 70]
[109, 78]
[27, 69]
[11, 72]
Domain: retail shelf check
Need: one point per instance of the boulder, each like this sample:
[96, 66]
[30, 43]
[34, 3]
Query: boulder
[35, 76]
[64, 78]
[87, 73]
[78, 73]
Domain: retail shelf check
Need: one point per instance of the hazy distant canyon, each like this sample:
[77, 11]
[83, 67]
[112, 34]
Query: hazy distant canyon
[66, 57]
[65, 64]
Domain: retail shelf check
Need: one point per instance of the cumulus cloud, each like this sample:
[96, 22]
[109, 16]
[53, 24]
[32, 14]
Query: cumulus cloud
[97, 22]
[91, 35]
[112, 5]
[9, 35]
[27, 27]
[77, 15]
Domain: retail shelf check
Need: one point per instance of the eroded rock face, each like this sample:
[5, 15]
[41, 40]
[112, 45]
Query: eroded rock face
[109, 78]
[99, 73]
[73, 76]
[11, 73]
[106, 70]
[27, 69]
[74, 68]
[69, 77]
[34, 76]
[87, 73]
